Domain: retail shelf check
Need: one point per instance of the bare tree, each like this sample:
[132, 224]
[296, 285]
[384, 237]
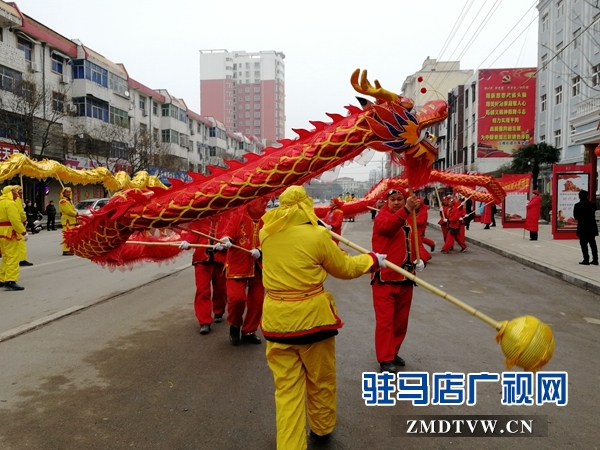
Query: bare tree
[31, 117]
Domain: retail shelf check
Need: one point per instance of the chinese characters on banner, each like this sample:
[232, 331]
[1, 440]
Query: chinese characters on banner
[506, 111]
[6, 150]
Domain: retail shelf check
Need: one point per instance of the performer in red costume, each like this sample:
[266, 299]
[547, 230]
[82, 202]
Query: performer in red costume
[392, 292]
[455, 227]
[335, 217]
[243, 271]
[486, 217]
[209, 270]
[422, 217]
[444, 213]
[532, 218]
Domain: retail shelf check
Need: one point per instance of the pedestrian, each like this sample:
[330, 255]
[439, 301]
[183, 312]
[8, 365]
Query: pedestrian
[493, 210]
[584, 212]
[422, 218]
[300, 318]
[378, 204]
[532, 217]
[392, 292]
[209, 271]
[444, 214]
[31, 215]
[335, 217]
[243, 271]
[468, 213]
[68, 217]
[22, 242]
[12, 231]
[51, 214]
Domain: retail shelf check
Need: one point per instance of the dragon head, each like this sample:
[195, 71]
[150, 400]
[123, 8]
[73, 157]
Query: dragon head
[397, 126]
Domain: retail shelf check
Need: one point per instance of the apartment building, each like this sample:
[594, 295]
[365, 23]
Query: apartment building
[568, 87]
[245, 91]
[62, 100]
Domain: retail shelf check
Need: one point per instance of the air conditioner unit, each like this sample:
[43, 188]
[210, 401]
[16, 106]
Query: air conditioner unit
[34, 67]
[64, 79]
[144, 113]
[192, 132]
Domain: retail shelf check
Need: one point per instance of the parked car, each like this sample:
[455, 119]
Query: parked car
[84, 206]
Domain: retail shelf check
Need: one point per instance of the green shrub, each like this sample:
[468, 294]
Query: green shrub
[546, 207]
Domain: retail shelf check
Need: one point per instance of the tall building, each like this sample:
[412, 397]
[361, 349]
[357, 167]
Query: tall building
[245, 91]
[568, 87]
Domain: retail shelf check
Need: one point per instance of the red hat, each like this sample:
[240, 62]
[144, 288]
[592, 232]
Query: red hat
[397, 190]
[536, 192]
[337, 202]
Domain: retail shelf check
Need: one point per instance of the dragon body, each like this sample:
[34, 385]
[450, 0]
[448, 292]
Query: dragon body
[390, 124]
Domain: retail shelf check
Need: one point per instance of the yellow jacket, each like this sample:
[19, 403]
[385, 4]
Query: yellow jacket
[11, 226]
[19, 203]
[296, 262]
[68, 213]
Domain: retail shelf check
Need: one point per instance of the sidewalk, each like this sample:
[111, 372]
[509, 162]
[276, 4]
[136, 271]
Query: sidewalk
[559, 258]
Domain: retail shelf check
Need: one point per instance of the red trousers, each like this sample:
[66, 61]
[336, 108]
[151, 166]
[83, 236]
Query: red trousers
[460, 238]
[211, 296]
[444, 228]
[427, 241]
[239, 300]
[391, 303]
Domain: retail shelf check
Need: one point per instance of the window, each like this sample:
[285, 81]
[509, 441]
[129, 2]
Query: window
[257, 115]
[247, 123]
[558, 139]
[543, 138]
[559, 48]
[257, 106]
[58, 101]
[247, 90]
[142, 103]
[119, 150]
[83, 69]
[572, 130]
[57, 63]
[466, 98]
[257, 65]
[473, 93]
[119, 117]
[155, 134]
[9, 79]
[155, 108]
[466, 125]
[257, 73]
[247, 98]
[143, 129]
[576, 85]
[596, 75]
[26, 47]
[558, 95]
[473, 122]
[256, 89]
[544, 61]
[543, 102]
[577, 39]
[560, 8]
[257, 131]
[247, 73]
[545, 22]
[596, 27]
[257, 123]
[247, 115]
[170, 136]
[91, 107]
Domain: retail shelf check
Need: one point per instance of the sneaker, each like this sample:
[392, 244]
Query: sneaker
[234, 335]
[204, 329]
[25, 263]
[399, 361]
[318, 439]
[12, 286]
[388, 367]
[218, 318]
[462, 250]
[251, 338]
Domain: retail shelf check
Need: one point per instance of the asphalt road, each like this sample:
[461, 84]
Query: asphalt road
[133, 372]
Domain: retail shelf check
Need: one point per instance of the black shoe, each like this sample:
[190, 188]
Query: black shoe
[67, 254]
[388, 367]
[12, 286]
[595, 263]
[204, 329]
[251, 338]
[399, 361]
[493, 225]
[25, 263]
[462, 250]
[432, 248]
[319, 440]
[584, 263]
[1, 283]
[234, 335]
[218, 318]
[487, 227]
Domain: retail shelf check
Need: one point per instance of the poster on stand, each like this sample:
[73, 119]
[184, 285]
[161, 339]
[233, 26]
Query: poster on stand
[568, 181]
[514, 207]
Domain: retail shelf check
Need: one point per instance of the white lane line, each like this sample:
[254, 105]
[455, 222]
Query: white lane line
[590, 320]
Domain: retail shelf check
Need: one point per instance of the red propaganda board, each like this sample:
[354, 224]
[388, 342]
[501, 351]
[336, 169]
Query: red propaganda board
[567, 181]
[6, 150]
[514, 206]
[506, 111]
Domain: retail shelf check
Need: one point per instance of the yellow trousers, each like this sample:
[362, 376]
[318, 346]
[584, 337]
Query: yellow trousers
[22, 250]
[303, 374]
[65, 227]
[9, 270]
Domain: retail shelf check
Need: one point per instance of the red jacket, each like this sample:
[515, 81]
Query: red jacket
[335, 218]
[393, 236]
[422, 217]
[243, 232]
[213, 226]
[486, 217]
[457, 212]
[533, 213]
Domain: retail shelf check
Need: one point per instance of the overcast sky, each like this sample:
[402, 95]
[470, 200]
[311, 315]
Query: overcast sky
[324, 41]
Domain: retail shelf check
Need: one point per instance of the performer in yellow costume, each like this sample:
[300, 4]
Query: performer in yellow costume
[12, 231]
[68, 216]
[300, 318]
[22, 243]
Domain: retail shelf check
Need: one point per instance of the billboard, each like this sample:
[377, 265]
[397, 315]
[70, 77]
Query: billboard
[567, 181]
[506, 111]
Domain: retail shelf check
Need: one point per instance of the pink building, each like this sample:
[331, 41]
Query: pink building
[246, 91]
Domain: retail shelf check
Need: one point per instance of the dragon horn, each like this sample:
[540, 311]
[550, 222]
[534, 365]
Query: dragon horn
[364, 87]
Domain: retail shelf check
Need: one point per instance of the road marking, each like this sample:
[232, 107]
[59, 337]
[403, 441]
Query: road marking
[590, 320]
[39, 322]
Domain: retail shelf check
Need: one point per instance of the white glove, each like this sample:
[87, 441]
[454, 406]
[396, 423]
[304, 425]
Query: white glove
[227, 243]
[445, 220]
[419, 265]
[26, 236]
[380, 260]
[255, 253]
[184, 245]
[329, 227]
[224, 246]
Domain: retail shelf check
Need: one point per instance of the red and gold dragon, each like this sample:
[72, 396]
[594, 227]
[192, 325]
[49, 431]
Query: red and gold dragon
[390, 124]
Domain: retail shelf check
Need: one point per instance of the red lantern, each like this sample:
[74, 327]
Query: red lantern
[419, 79]
[597, 150]
[423, 90]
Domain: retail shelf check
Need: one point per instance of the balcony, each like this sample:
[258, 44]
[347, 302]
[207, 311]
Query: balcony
[591, 106]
